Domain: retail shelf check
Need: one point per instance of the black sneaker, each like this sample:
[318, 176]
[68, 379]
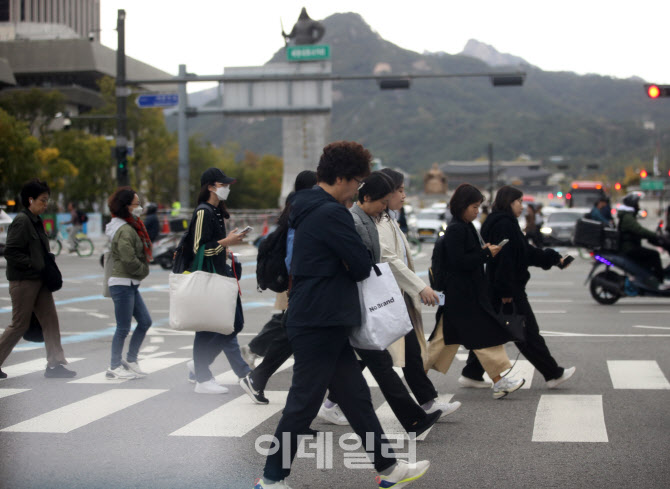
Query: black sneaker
[3, 375]
[257, 396]
[425, 424]
[59, 372]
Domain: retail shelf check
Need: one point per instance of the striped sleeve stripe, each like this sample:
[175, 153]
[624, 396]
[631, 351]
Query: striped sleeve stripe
[214, 251]
[199, 217]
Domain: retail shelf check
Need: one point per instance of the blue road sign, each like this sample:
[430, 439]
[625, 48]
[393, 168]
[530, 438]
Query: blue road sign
[147, 101]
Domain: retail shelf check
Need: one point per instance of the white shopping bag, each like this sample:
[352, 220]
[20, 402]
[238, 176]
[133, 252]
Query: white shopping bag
[203, 301]
[384, 317]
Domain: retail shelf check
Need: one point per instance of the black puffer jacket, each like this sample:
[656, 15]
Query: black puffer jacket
[329, 257]
[508, 271]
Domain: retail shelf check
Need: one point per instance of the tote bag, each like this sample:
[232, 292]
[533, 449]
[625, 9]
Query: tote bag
[202, 300]
[384, 317]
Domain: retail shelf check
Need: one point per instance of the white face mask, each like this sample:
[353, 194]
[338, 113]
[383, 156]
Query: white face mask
[137, 211]
[222, 192]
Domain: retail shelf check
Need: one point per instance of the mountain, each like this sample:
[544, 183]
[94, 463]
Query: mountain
[489, 55]
[587, 119]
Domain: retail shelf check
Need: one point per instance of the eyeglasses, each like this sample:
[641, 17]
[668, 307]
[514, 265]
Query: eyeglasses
[359, 182]
[44, 201]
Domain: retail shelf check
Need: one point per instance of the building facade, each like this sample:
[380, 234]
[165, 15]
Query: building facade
[49, 19]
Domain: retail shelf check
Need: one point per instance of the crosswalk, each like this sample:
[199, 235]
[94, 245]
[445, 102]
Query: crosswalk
[558, 417]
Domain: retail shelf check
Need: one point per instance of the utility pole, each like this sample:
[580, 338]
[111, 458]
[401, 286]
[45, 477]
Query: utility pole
[182, 141]
[122, 93]
[490, 175]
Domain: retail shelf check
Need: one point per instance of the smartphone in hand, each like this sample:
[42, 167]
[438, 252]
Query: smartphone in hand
[246, 230]
[503, 242]
[567, 259]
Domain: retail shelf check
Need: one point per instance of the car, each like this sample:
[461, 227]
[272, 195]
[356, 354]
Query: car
[430, 223]
[5, 221]
[559, 227]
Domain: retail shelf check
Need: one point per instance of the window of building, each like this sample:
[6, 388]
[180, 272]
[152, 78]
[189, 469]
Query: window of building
[4, 10]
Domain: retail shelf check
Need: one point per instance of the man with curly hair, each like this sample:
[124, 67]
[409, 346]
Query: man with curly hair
[329, 257]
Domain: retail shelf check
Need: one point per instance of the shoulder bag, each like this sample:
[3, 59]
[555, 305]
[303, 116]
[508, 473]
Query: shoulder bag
[203, 300]
[513, 323]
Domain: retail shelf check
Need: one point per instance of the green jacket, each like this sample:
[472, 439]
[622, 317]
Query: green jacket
[26, 247]
[632, 231]
[128, 253]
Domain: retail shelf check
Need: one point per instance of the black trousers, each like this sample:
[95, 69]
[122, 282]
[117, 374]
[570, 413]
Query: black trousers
[324, 359]
[415, 375]
[534, 349]
[403, 406]
[271, 332]
[649, 259]
[278, 351]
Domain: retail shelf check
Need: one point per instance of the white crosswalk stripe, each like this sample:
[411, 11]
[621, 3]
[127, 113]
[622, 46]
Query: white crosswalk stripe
[235, 418]
[11, 392]
[637, 374]
[570, 418]
[81, 413]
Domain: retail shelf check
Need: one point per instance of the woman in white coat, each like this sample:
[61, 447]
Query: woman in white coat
[409, 352]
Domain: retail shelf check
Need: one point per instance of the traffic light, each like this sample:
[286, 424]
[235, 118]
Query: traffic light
[617, 186]
[643, 174]
[656, 91]
[122, 165]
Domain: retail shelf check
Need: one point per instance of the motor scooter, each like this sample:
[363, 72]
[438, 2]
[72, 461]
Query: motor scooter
[623, 277]
[164, 248]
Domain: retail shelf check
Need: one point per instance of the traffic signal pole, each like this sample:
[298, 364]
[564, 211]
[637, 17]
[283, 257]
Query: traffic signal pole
[182, 141]
[122, 92]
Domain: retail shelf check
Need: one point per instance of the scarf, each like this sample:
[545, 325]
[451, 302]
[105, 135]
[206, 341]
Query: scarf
[138, 226]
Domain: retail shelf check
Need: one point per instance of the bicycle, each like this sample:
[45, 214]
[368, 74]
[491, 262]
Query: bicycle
[82, 244]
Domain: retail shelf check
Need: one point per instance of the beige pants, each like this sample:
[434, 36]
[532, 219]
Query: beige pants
[494, 359]
[30, 296]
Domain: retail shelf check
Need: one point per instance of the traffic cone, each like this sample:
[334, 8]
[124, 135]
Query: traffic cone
[166, 226]
[266, 229]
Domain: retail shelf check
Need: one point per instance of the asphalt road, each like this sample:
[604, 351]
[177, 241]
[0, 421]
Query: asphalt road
[606, 427]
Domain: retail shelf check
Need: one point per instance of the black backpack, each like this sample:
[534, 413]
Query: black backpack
[437, 271]
[271, 272]
[82, 216]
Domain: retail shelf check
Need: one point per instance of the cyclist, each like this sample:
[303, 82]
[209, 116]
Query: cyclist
[75, 226]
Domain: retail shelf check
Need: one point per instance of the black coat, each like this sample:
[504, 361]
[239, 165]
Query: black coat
[469, 317]
[508, 272]
[329, 257]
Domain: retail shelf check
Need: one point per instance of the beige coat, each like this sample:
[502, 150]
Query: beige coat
[391, 240]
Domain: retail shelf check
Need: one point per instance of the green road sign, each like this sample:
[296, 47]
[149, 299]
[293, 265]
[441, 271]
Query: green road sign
[651, 184]
[308, 52]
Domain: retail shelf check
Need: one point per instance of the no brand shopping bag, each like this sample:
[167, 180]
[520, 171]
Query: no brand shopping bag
[384, 317]
[202, 301]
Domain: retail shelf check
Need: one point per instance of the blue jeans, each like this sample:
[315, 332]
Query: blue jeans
[128, 304]
[207, 346]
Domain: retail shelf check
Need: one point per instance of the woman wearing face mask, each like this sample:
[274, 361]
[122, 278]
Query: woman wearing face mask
[208, 229]
[131, 255]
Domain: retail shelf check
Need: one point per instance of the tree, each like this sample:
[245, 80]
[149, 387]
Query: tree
[35, 107]
[90, 155]
[18, 160]
[55, 169]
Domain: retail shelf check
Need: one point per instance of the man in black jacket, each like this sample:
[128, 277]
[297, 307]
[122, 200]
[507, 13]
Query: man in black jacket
[329, 257]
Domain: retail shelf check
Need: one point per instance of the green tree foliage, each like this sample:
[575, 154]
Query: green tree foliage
[90, 155]
[35, 107]
[18, 159]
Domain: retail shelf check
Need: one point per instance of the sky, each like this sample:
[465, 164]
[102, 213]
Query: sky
[618, 38]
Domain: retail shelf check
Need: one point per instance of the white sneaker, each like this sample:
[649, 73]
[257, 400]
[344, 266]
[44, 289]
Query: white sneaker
[120, 373]
[191, 371]
[261, 484]
[133, 367]
[446, 407]
[567, 373]
[333, 415]
[248, 356]
[403, 474]
[210, 387]
[506, 386]
[476, 384]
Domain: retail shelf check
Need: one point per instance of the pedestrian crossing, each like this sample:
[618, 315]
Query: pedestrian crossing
[558, 417]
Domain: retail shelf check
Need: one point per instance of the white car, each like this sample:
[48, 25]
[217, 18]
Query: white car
[430, 223]
[5, 221]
